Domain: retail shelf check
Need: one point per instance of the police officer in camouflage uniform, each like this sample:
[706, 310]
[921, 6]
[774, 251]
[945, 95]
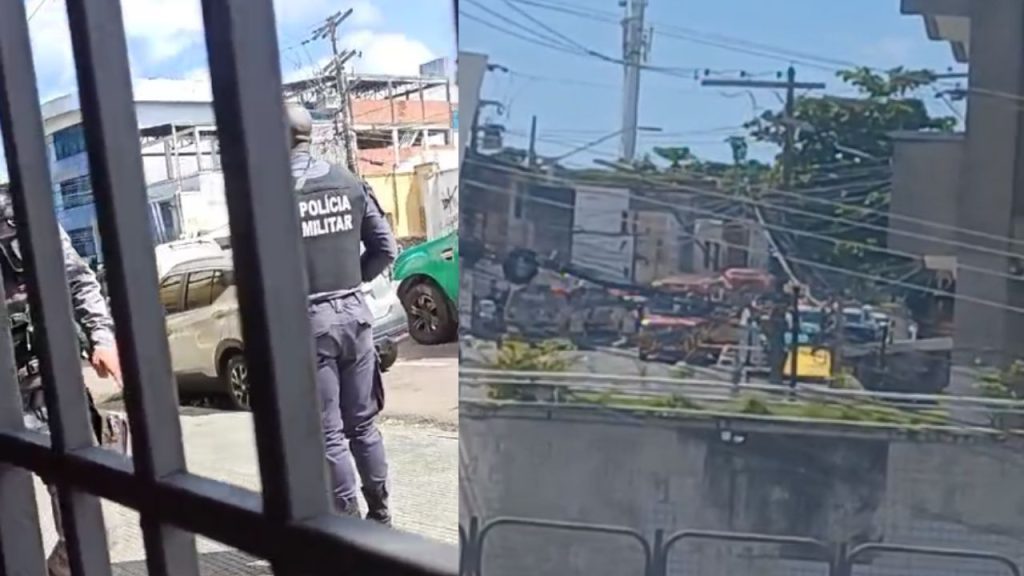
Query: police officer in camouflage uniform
[337, 212]
[95, 325]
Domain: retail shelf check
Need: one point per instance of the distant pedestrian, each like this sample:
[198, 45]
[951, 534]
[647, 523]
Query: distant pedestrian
[338, 212]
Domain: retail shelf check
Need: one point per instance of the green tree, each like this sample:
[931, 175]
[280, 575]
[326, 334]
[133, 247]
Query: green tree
[842, 153]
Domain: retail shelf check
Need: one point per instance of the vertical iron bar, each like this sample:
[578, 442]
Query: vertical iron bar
[244, 67]
[115, 166]
[39, 234]
[21, 542]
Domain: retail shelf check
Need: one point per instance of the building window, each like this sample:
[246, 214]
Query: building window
[76, 192]
[84, 242]
[69, 142]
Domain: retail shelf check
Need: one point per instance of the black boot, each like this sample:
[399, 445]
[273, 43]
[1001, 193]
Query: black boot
[349, 509]
[377, 504]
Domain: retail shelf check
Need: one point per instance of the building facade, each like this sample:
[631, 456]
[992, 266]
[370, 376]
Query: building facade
[969, 184]
[163, 107]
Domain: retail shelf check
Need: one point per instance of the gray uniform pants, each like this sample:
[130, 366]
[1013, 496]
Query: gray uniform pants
[351, 395]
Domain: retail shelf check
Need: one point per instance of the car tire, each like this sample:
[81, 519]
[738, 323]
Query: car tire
[430, 317]
[235, 377]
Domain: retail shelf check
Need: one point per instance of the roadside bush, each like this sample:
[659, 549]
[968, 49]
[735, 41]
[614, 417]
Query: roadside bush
[519, 356]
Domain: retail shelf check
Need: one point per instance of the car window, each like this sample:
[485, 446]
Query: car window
[199, 291]
[170, 292]
[222, 280]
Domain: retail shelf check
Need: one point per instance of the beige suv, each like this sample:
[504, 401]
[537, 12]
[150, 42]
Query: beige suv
[205, 334]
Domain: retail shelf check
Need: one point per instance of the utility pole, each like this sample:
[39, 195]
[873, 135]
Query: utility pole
[883, 349]
[531, 158]
[789, 122]
[795, 348]
[635, 47]
[343, 119]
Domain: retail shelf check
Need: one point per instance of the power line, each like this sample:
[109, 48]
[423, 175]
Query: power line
[818, 236]
[800, 195]
[788, 209]
[568, 45]
[544, 26]
[752, 48]
[789, 106]
[36, 10]
[685, 73]
[810, 263]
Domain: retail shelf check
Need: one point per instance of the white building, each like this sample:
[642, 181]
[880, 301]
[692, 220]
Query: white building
[168, 112]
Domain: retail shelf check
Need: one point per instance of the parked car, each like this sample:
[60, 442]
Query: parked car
[170, 254]
[428, 276]
[205, 335]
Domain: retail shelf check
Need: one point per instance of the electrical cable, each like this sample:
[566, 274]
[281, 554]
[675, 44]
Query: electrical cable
[836, 219]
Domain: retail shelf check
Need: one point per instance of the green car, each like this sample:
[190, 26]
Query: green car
[428, 276]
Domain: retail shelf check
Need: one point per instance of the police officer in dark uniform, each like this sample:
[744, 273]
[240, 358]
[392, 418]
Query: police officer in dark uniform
[96, 334]
[337, 212]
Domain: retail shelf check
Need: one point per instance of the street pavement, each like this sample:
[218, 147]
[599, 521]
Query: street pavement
[420, 427]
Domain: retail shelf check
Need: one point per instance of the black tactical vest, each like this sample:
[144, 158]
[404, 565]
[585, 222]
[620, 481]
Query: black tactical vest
[331, 208]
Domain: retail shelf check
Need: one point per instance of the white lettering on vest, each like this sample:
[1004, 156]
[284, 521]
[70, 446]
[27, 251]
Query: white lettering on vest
[329, 214]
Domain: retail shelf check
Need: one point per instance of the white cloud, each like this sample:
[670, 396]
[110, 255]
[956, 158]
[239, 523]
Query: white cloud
[161, 30]
[158, 30]
[381, 53]
[387, 53]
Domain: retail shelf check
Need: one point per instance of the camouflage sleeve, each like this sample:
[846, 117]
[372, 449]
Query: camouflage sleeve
[87, 299]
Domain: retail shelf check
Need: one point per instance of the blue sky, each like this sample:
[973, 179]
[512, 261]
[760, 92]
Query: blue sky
[165, 38]
[579, 98]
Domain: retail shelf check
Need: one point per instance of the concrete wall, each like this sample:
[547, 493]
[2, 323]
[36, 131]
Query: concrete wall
[399, 195]
[927, 175]
[835, 484]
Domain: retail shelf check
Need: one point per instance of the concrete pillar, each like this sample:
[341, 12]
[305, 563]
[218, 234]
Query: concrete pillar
[992, 200]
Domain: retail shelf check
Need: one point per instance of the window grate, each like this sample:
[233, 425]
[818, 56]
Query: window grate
[291, 524]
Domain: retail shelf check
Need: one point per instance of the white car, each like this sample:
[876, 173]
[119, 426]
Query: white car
[204, 329]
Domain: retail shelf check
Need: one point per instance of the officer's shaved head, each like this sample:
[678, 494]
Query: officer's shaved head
[300, 123]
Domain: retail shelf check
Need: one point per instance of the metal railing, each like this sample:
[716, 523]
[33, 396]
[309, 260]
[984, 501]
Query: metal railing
[291, 525]
[836, 559]
[629, 391]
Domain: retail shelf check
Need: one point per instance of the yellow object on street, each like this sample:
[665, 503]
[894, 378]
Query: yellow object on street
[813, 363]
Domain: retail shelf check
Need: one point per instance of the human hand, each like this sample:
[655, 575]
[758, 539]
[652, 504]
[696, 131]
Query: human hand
[107, 363]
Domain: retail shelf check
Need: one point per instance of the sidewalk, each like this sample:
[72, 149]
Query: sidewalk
[424, 476]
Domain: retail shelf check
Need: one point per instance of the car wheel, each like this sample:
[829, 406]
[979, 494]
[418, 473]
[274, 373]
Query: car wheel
[430, 318]
[236, 381]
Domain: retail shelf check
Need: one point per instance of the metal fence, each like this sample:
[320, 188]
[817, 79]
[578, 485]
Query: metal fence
[836, 559]
[291, 525]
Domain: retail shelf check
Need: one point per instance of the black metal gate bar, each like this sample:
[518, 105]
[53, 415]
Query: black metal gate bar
[115, 167]
[242, 44]
[60, 364]
[21, 543]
